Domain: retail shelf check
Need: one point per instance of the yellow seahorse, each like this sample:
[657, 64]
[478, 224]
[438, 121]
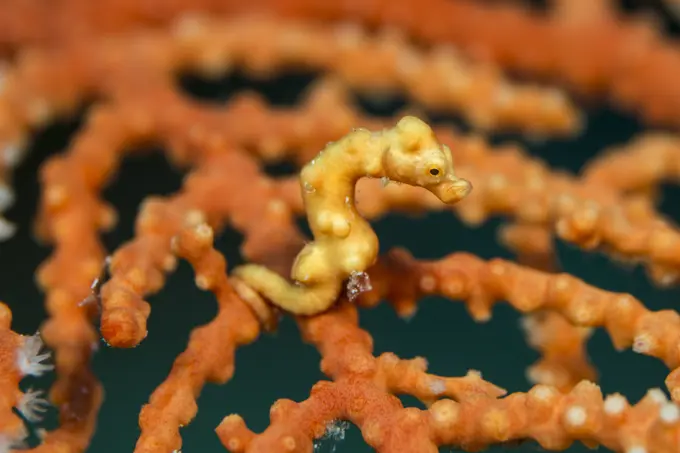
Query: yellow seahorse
[344, 243]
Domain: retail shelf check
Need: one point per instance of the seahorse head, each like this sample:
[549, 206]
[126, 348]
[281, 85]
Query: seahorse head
[415, 157]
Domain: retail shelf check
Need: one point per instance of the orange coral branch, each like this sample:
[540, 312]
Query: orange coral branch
[509, 183]
[627, 58]
[476, 420]
[361, 391]
[209, 356]
[460, 276]
[77, 396]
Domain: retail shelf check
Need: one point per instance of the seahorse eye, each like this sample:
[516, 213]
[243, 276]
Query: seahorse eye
[434, 171]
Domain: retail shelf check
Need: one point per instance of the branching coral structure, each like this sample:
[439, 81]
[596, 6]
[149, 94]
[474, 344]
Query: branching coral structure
[121, 63]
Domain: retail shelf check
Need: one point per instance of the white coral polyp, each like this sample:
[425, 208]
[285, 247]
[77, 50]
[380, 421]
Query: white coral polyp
[30, 360]
[32, 405]
[5, 444]
[7, 229]
[6, 197]
[9, 444]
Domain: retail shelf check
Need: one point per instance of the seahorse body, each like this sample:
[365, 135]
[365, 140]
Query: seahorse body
[344, 242]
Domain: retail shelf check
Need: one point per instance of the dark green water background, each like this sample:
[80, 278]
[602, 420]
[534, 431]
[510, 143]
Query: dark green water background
[280, 365]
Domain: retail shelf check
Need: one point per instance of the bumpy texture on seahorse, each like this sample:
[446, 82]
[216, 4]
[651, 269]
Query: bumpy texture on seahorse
[344, 243]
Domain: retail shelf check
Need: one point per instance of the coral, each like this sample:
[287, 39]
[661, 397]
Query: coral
[120, 62]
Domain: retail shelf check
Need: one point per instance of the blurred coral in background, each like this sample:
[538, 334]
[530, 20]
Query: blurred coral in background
[545, 135]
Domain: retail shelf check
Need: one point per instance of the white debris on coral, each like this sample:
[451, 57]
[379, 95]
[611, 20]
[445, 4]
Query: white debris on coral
[359, 282]
[437, 386]
[335, 432]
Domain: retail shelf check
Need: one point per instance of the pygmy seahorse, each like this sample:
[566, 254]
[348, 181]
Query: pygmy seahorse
[344, 243]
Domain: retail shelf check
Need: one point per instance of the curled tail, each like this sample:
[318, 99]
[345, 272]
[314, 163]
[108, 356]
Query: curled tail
[291, 297]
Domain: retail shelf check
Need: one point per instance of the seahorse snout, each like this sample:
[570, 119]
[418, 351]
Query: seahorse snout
[452, 191]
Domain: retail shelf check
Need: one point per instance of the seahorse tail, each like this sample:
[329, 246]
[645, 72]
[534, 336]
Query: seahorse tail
[293, 298]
